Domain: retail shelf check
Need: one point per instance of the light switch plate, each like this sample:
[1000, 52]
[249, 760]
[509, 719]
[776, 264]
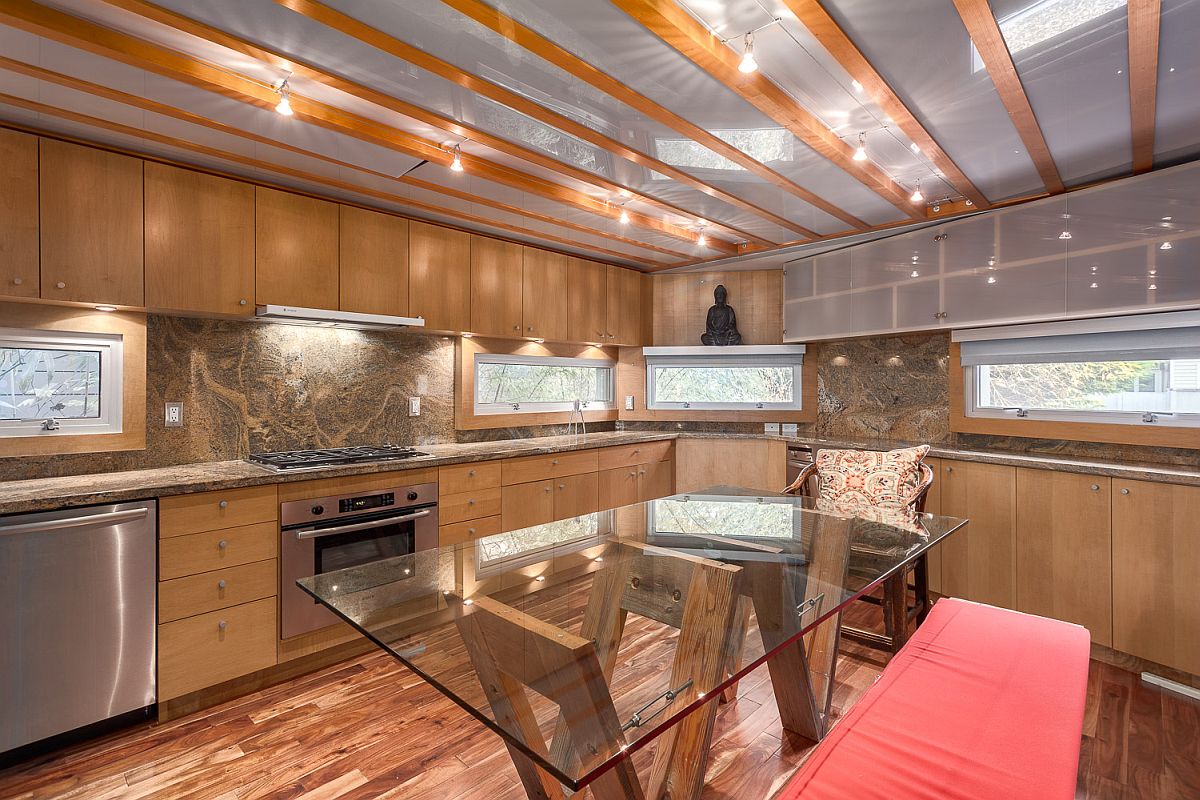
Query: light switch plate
[414, 406]
[173, 417]
[790, 429]
[629, 402]
[771, 428]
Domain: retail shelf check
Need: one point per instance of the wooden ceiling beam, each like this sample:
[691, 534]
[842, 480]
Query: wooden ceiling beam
[675, 26]
[1145, 18]
[155, 107]
[452, 126]
[989, 41]
[547, 50]
[280, 169]
[85, 35]
[813, 16]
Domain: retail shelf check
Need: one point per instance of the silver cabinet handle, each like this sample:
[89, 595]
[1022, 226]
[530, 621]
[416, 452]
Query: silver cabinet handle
[562, 486]
[471, 473]
[221, 545]
[220, 584]
[18, 281]
[949, 469]
[633, 474]
[313, 533]
[1124, 491]
[470, 531]
[241, 302]
[221, 626]
[61, 285]
[637, 450]
[516, 327]
[223, 504]
[530, 329]
[1095, 487]
[547, 489]
[471, 502]
[108, 518]
[554, 462]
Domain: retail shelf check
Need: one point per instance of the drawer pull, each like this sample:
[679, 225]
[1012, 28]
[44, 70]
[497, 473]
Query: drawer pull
[221, 626]
[1095, 487]
[949, 469]
[1124, 491]
[471, 531]
[641, 472]
[633, 474]
[471, 502]
[221, 585]
[224, 504]
[637, 450]
[562, 486]
[554, 461]
[471, 473]
[61, 285]
[546, 489]
[17, 281]
[221, 545]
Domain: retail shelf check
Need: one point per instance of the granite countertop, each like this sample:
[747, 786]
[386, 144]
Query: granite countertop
[43, 494]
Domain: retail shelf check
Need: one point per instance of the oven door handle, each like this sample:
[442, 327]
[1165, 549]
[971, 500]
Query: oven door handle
[361, 526]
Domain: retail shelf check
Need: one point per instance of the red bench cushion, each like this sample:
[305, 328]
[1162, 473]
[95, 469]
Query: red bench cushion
[981, 703]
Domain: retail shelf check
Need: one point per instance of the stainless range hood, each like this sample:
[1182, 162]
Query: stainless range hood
[324, 318]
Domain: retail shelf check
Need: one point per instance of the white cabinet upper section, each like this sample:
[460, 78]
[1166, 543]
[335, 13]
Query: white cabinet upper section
[1132, 245]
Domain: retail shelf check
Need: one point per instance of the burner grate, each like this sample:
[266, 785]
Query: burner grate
[332, 456]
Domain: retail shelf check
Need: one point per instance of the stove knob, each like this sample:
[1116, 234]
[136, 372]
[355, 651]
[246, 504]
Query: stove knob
[318, 510]
[412, 495]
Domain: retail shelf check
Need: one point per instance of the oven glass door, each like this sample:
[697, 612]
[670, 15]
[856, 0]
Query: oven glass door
[334, 551]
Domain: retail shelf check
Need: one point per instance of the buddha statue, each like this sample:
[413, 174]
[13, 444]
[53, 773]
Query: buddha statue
[720, 329]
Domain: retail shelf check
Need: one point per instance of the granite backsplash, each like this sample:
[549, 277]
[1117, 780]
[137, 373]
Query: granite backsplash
[249, 387]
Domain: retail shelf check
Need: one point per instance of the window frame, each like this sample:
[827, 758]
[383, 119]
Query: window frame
[534, 407]
[720, 360]
[110, 348]
[605, 527]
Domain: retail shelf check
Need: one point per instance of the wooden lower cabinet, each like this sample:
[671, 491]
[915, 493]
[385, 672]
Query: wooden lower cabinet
[656, 480]
[209, 591]
[576, 495]
[209, 550]
[933, 505]
[979, 561]
[468, 505]
[619, 487]
[526, 504]
[1064, 549]
[749, 463]
[460, 532]
[1156, 569]
[207, 649]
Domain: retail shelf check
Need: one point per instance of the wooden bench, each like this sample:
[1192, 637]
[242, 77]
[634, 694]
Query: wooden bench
[982, 703]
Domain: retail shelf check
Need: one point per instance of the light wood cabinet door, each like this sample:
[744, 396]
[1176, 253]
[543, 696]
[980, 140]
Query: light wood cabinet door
[1156, 569]
[296, 250]
[625, 307]
[496, 288]
[933, 505]
[619, 486]
[199, 242]
[372, 262]
[544, 295]
[656, 480]
[576, 495]
[1064, 549]
[208, 649]
[979, 560]
[439, 264]
[587, 301]
[91, 225]
[747, 463]
[19, 261]
[525, 504]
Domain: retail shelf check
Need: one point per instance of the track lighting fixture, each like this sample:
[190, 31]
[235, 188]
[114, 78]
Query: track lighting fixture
[1165, 246]
[284, 106]
[748, 64]
[917, 197]
[624, 218]
[1065, 235]
[860, 154]
[456, 164]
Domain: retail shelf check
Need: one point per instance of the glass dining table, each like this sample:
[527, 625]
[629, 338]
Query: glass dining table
[585, 640]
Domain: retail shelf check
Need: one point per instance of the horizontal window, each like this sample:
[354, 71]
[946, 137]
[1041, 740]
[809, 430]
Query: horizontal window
[1075, 372]
[54, 383]
[724, 381]
[506, 384]
[505, 551]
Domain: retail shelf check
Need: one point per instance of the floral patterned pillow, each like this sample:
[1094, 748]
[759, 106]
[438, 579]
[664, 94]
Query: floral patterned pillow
[859, 479]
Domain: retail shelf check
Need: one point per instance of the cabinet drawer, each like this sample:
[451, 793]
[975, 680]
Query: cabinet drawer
[206, 511]
[222, 588]
[204, 552]
[540, 468]
[205, 650]
[629, 455]
[468, 505]
[468, 531]
[468, 477]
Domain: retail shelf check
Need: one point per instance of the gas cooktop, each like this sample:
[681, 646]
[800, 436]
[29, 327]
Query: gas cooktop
[290, 460]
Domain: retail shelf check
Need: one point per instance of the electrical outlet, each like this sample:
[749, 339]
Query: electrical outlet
[790, 429]
[414, 406]
[174, 415]
[771, 428]
[629, 402]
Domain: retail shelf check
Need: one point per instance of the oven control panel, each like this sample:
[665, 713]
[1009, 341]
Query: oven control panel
[366, 502]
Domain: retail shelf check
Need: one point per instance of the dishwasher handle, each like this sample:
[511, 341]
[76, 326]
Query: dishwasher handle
[50, 525]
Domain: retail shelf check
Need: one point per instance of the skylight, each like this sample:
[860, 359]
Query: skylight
[1044, 20]
[761, 144]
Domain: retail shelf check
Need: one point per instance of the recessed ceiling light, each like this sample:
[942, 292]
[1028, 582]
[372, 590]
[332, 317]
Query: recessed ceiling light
[914, 147]
[914, 274]
[106, 308]
[1167, 219]
[1094, 285]
[991, 279]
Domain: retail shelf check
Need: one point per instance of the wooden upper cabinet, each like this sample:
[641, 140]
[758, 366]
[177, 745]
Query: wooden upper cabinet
[1155, 569]
[496, 273]
[979, 561]
[373, 262]
[439, 264]
[1064, 548]
[296, 250]
[199, 242]
[587, 301]
[91, 225]
[544, 297]
[18, 214]
[625, 311]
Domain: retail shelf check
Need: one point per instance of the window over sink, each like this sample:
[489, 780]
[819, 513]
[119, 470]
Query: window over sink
[58, 383]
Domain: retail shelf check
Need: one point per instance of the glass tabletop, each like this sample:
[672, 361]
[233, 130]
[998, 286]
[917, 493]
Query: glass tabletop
[580, 641]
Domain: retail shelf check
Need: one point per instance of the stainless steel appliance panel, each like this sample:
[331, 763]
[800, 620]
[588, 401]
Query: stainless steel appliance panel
[77, 618]
[799, 456]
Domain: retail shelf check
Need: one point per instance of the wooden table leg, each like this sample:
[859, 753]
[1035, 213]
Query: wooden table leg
[895, 608]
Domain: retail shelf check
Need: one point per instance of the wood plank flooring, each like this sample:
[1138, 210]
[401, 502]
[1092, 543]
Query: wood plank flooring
[369, 729]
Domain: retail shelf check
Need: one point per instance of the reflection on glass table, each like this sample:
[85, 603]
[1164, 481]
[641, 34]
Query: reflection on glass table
[583, 641]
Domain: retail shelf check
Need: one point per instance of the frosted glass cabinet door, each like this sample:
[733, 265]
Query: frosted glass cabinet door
[820, 318]
[871, 310]
[1001, 295]
[917, 304]
[1176, 273]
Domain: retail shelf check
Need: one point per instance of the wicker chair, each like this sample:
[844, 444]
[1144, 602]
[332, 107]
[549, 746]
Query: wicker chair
[897, 614]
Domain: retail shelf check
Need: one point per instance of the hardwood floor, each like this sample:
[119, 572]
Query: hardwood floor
[369, 729]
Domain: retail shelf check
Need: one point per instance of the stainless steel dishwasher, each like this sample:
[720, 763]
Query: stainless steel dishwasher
[77, 618]
[799, 456]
